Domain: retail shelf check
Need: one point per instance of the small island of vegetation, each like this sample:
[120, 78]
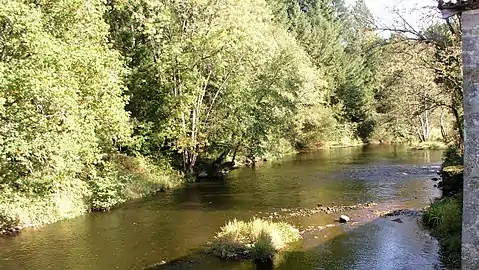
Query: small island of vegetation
[257, 239]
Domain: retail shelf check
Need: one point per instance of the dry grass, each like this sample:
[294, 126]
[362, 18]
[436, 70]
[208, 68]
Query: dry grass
[257, 239]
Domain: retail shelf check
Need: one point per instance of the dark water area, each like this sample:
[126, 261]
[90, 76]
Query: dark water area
[173, 226]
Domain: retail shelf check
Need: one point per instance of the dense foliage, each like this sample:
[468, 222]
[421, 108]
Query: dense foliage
[62, 116]
[103, 101]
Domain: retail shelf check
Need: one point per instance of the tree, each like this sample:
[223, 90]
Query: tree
[437, 49]
[60, 93]
[207, 77]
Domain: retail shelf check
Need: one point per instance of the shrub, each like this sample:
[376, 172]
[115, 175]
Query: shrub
[107, 191]
[25, 209]
[7, 220]
[257, 239]
[453, 156]
[444, 218]
[125, 178]
[118, 179]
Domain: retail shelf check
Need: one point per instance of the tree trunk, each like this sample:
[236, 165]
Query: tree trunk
[427, 128]
[222, 157]
[423, 132]
[443, 129]
[234, 153]
[459, 123]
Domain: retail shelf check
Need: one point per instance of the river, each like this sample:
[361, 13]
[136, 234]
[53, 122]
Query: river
[173, 226]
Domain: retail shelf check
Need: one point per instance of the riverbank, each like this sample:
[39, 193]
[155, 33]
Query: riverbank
[444, 216]
[173, 224]
[429, 145]
[123, 179]
[444, 219]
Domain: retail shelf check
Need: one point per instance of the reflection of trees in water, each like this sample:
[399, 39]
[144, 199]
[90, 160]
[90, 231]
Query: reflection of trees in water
[166, 227]
[309, 178]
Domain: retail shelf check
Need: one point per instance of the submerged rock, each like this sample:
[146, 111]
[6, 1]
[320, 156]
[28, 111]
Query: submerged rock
[401, 212]
[398, 220]
[344, 219]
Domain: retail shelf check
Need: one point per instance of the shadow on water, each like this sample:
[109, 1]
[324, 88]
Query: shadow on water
[171, 224]
[380, 244]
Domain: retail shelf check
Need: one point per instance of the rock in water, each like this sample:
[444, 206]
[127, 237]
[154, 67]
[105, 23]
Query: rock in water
[344, 219]
[203, 174]
[398, 220]
[435, 179]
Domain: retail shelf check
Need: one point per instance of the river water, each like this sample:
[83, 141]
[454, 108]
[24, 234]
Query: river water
[173, 226]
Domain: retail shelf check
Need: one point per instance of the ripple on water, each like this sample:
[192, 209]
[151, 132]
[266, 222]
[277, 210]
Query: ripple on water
[173, 225]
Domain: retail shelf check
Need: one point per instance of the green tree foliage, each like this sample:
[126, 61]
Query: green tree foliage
[100, 99]
[213, 76]
[342, 45]
[61, 92]
[421, 90]
[62, 111]
[404, 96]
[447, 67]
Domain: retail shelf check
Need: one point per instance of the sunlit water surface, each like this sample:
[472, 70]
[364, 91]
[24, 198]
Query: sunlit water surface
[173, 226]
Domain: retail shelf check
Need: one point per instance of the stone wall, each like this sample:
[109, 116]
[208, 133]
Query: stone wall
[470, 225]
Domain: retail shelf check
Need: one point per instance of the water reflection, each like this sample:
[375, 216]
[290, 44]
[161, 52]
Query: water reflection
[380, 245]
[172, 224]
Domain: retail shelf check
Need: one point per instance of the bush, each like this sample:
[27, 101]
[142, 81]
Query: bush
[7, 220]
[453, 156]
[120, 178]
[257, 239]
[125, 178]
[27, 209]
[107, 191]
[444, 218]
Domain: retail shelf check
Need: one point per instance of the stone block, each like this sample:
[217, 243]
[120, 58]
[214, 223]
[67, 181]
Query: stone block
[470, 223]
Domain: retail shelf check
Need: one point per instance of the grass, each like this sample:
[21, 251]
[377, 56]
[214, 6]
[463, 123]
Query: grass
[444, 219]
[257, 239]
[430, 145]
[121, 179]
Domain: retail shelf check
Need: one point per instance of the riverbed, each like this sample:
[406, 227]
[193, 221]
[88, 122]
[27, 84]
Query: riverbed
[173, 227]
